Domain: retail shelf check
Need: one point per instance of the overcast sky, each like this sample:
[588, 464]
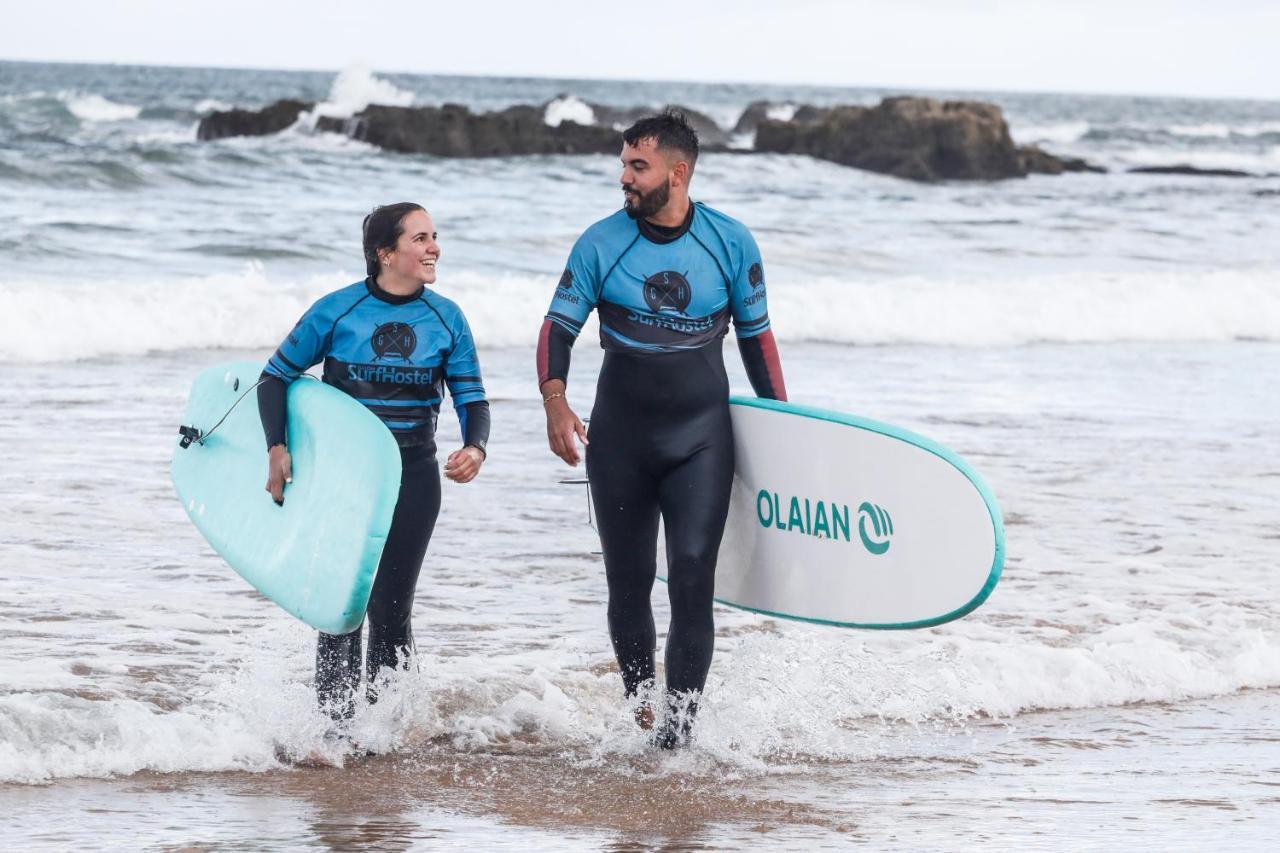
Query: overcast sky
[1214, 48]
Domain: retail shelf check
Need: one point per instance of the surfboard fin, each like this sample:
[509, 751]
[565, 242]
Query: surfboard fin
[583, 481]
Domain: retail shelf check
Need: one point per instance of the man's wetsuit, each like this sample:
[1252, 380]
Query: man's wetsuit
[394, 354]
[661, 438]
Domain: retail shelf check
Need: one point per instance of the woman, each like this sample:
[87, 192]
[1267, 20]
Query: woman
[393, 345]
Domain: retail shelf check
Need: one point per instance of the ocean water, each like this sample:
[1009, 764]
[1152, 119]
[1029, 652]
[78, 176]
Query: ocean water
[1105, 349]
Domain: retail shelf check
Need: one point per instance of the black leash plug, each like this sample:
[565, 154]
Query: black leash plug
[189, 434]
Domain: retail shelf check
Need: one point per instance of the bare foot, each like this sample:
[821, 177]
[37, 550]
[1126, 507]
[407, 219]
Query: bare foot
[644, 716]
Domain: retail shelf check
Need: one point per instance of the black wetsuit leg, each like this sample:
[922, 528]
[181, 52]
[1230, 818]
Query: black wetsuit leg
[625, 495]
[662, 441]
[694, 498]
[391, 600]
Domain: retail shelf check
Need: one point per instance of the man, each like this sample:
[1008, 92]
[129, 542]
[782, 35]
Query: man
[666, 275]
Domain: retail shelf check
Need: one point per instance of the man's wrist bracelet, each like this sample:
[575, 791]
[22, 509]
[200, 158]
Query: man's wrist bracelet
[550, 397]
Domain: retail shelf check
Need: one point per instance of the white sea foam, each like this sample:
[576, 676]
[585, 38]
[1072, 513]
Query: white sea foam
[1211, 130]
[1059, 134]
[1265, 162]
[725, 115]
[805, 694]
[1066, 308]
[355, 88]
[209, 105]
[45, 736]
[569, 108]
[249, 310]
[243, 310]
[95, 108]
[170, 137]
[1257, 129]
[1066, 133]
[781, 112]
[1220, 130]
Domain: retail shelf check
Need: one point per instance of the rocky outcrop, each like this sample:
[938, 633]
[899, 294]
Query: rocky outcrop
[455, 131]
[263, 122]
[921, 139]
[710, 134]
[336, 124]
[1037, 161]
[917, 138]
[1190, 170]
[758, 111]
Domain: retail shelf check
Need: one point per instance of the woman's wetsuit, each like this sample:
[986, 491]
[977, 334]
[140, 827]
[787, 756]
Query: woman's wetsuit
[338, 656]
[395, 355]
[661, 441]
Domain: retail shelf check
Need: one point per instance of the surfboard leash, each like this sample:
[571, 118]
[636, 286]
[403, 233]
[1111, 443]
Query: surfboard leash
[194, 433]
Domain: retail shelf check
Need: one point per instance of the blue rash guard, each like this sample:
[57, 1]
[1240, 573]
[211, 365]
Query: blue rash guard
[394, 354]
[663, 290]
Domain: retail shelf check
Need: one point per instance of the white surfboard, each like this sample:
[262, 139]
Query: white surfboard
[845, 521]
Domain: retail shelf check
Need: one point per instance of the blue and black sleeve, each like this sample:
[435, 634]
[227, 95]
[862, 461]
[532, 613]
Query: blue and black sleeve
[575, 297]
[466, 387]
[750, 309]
[303, 347]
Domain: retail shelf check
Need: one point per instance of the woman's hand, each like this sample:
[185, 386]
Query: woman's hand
[279, 472]
[463, 465]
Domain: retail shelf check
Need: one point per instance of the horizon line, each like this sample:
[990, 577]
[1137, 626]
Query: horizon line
[875, 87]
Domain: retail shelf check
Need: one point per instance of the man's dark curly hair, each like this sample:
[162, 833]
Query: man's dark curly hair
[670, 130]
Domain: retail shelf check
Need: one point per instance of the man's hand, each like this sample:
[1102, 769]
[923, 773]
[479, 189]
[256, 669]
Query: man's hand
[463, 465]
[279, 472]
[563, 425]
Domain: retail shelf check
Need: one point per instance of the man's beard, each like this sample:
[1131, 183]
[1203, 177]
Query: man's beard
[648, 203]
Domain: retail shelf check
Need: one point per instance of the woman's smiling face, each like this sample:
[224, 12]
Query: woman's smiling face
[416, 251]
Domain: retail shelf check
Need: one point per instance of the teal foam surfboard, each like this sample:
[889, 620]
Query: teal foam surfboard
[318, 554]
[843, 520]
